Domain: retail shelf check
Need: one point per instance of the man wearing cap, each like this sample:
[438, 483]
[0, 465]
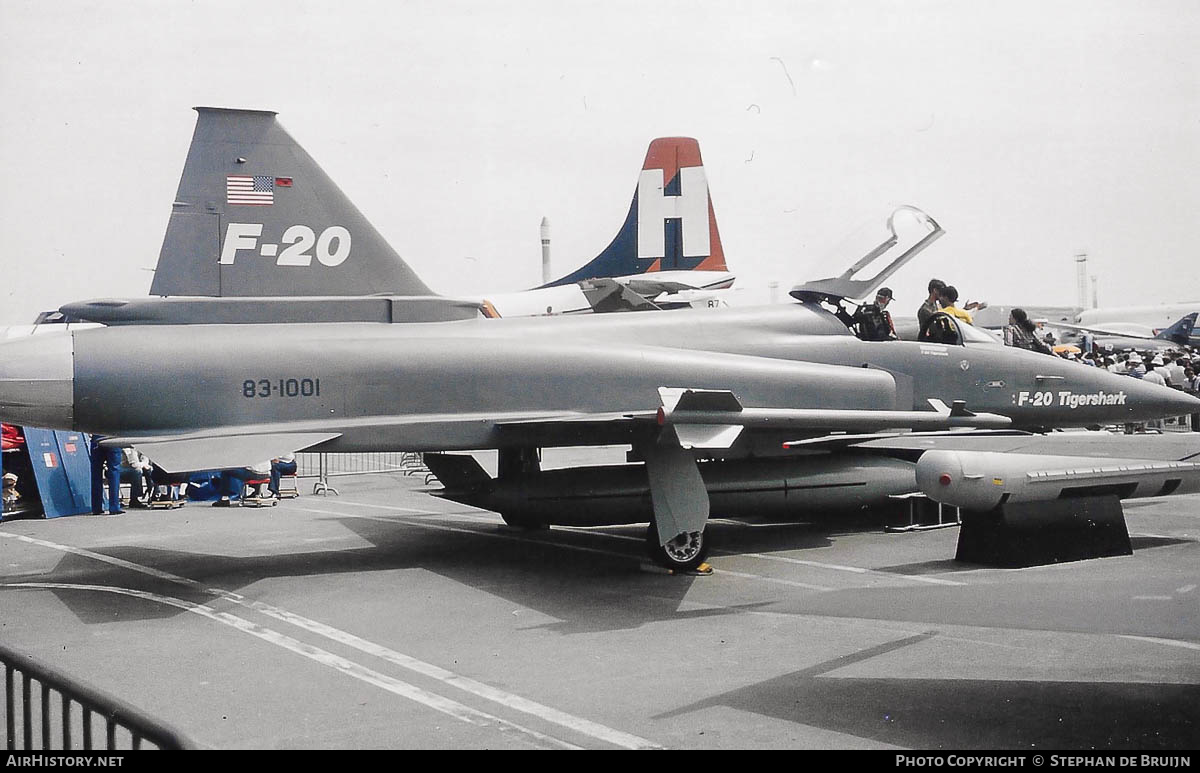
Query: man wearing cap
[1133, 366]
[1158, 372]
[874, 321]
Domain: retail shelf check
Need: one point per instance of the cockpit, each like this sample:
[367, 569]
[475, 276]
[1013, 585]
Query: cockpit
[941, 328]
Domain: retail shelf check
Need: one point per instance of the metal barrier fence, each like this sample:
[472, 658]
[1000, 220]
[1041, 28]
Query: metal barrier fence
[122, 726]
[325, 466]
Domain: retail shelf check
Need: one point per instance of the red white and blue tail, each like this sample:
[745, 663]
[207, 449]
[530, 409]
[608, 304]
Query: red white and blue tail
[670, 225]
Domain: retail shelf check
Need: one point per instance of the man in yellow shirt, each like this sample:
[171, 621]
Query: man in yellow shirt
[948, 297]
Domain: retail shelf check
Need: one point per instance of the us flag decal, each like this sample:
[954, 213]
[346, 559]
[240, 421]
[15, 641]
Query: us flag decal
[251, 190]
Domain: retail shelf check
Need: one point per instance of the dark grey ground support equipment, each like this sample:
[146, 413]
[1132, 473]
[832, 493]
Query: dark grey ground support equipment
[1034, 533]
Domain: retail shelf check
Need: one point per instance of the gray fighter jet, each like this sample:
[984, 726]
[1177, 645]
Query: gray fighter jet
[706, 400]
[205, 396]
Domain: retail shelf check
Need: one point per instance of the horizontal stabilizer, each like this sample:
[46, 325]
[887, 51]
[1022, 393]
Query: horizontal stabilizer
[188, 454]
[650, 288]
[608, 295]
[266, 310]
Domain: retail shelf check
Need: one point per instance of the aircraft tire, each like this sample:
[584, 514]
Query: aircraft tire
[685, 553]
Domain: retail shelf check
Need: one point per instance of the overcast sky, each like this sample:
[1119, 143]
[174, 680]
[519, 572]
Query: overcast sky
[1030, 130]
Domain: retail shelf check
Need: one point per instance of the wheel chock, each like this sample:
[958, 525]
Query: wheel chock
[700, 571]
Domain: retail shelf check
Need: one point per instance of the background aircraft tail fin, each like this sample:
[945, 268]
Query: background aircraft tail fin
[670, 225]
[256, 216]
[1181, 331]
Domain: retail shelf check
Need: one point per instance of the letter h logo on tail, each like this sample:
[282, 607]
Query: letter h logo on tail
[673, 225]
[670, 225]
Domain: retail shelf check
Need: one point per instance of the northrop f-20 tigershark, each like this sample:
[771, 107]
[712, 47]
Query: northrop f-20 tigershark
[733, 411]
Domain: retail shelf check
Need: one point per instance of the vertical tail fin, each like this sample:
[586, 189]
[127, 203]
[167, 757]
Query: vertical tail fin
[670, 225]
[256, 216]
[1181, 331]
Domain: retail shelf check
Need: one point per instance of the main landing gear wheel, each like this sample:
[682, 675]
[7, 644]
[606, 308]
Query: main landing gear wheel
[684, 553]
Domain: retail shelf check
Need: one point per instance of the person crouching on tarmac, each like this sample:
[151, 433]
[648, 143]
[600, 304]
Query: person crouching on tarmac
[234, 482]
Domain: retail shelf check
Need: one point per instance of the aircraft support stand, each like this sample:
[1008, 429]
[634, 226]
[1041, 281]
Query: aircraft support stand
[322, 485]
[1034, 533]
[518, 462]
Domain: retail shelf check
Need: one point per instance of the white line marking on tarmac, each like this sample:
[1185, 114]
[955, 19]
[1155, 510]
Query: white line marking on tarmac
[526, 538]
[464, 683]
[853, 569]
[516, 702]
[350, 668]
[1153, 598]
[523, 537]
[762, 525]
[792, 583]
[1187, 645]
[1186, 589]
[147, 570]
[768, 557]
[393, 507]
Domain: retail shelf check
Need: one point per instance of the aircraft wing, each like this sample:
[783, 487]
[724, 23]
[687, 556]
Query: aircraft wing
[901, 444]
[1099, 330]
[715, 419]
[698, 418]
[1178, 333]
[651, 287]
[186, 453]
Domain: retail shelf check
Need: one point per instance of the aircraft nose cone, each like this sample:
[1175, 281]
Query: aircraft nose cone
[1179, 403]
[37, 380]
[1154, 401]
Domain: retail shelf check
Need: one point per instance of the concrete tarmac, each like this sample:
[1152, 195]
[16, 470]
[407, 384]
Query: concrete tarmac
[385, 618]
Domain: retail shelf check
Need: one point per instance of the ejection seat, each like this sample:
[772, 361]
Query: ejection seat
[941, 328]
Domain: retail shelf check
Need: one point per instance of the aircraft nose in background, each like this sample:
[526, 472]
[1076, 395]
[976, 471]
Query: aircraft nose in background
[37, 380]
